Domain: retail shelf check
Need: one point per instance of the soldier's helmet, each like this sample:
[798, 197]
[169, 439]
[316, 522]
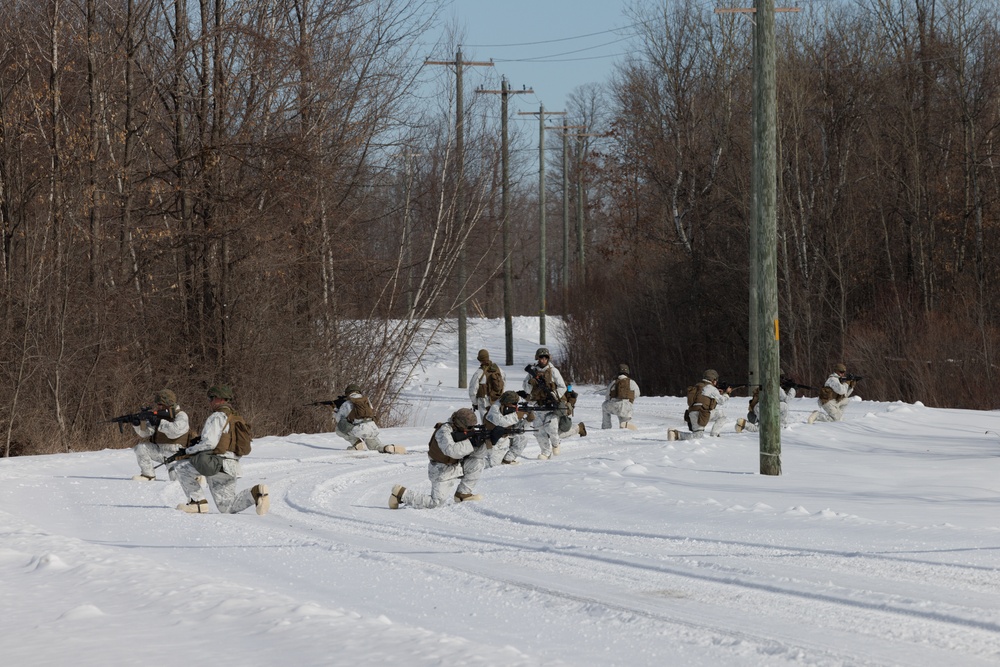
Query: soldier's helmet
[711, 374]
[509, 398]
[223, 391]
[623, 369]
[464, 419]
[483, 356]
[840, 368]
[542, 352]
[165, 397]
[352, 389]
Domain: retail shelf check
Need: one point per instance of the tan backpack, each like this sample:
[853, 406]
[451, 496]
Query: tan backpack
[622, 389]
[237, 440]
[361, 408]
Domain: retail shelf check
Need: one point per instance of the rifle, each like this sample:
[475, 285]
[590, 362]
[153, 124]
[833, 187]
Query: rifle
[851, 377]
[524, 407]
[336, 403]
[792, 384]
[539, 379]
[480, 434]
[725, 386]
[154, 417]
[180, 454]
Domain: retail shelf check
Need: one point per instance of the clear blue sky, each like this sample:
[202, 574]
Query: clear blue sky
[550, 46]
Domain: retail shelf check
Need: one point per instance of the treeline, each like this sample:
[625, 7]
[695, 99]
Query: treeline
[888, 116]
[239, 192]
[261, 193]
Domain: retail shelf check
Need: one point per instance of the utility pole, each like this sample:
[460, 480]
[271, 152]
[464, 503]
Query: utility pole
[565, 240]
[542, 272]
[580, 221]
[763, 227]
[508, 284]
[459, 213]
[407, 232]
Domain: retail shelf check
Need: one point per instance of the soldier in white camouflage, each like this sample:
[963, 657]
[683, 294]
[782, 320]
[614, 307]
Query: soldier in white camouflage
[163, 438]
[620, 399]
[355, 423]
[545, 387]
[449, 448]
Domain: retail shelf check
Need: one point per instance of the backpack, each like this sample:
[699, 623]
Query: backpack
[622, 389]
[241, 436]
[238, 439]
[361, 408]
[494, 382]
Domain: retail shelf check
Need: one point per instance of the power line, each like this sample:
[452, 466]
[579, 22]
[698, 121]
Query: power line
[554, 41]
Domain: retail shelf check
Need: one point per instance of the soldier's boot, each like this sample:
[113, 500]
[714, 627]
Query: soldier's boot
[511, 462]
[813, 416]
[200, 480]
[673, 434]
[555, 450]
[467, 497]
[359, 445]
[582, 429]
[543, 457]
[740, 425]
[261, 498]
[394, 449]
[396, 497]
[194, 507]
[144, 478]
[629, 425]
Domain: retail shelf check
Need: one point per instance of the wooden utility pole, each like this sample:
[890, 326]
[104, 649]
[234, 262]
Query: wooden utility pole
[407, 232]
[763, 227]
[580, 219]
[508, 285]
[765, 193]
[542, 272]
[565, 169]
[459, 213]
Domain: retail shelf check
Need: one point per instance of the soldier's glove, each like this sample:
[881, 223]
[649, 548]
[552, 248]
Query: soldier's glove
[459, 436]
[522, 393]
[135, 421]
[474, 407]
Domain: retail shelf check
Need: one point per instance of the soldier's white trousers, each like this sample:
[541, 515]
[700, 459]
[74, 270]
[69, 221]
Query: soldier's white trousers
[620, 407]
[148, 455]
[443, 477]
[221, 485]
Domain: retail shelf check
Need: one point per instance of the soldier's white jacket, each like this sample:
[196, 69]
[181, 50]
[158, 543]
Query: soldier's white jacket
[841, 388]
[216, 424]
[712, 391]
[449, 446]
[557, 379]
[171, 429]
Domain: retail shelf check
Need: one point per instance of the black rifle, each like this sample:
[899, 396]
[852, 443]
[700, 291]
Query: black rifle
[725, 386]
[851, 377]
[524, 407]
[154, 417]
[180, 454]
[480, 434]
[336, 403]
[540, 382]
[792, 384]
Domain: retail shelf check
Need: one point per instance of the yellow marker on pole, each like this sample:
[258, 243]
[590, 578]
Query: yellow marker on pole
[776, 337]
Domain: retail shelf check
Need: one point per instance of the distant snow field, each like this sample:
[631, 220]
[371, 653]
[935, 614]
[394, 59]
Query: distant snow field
[878, 545]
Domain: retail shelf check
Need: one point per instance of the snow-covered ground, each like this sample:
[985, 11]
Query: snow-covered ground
[879, 545]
